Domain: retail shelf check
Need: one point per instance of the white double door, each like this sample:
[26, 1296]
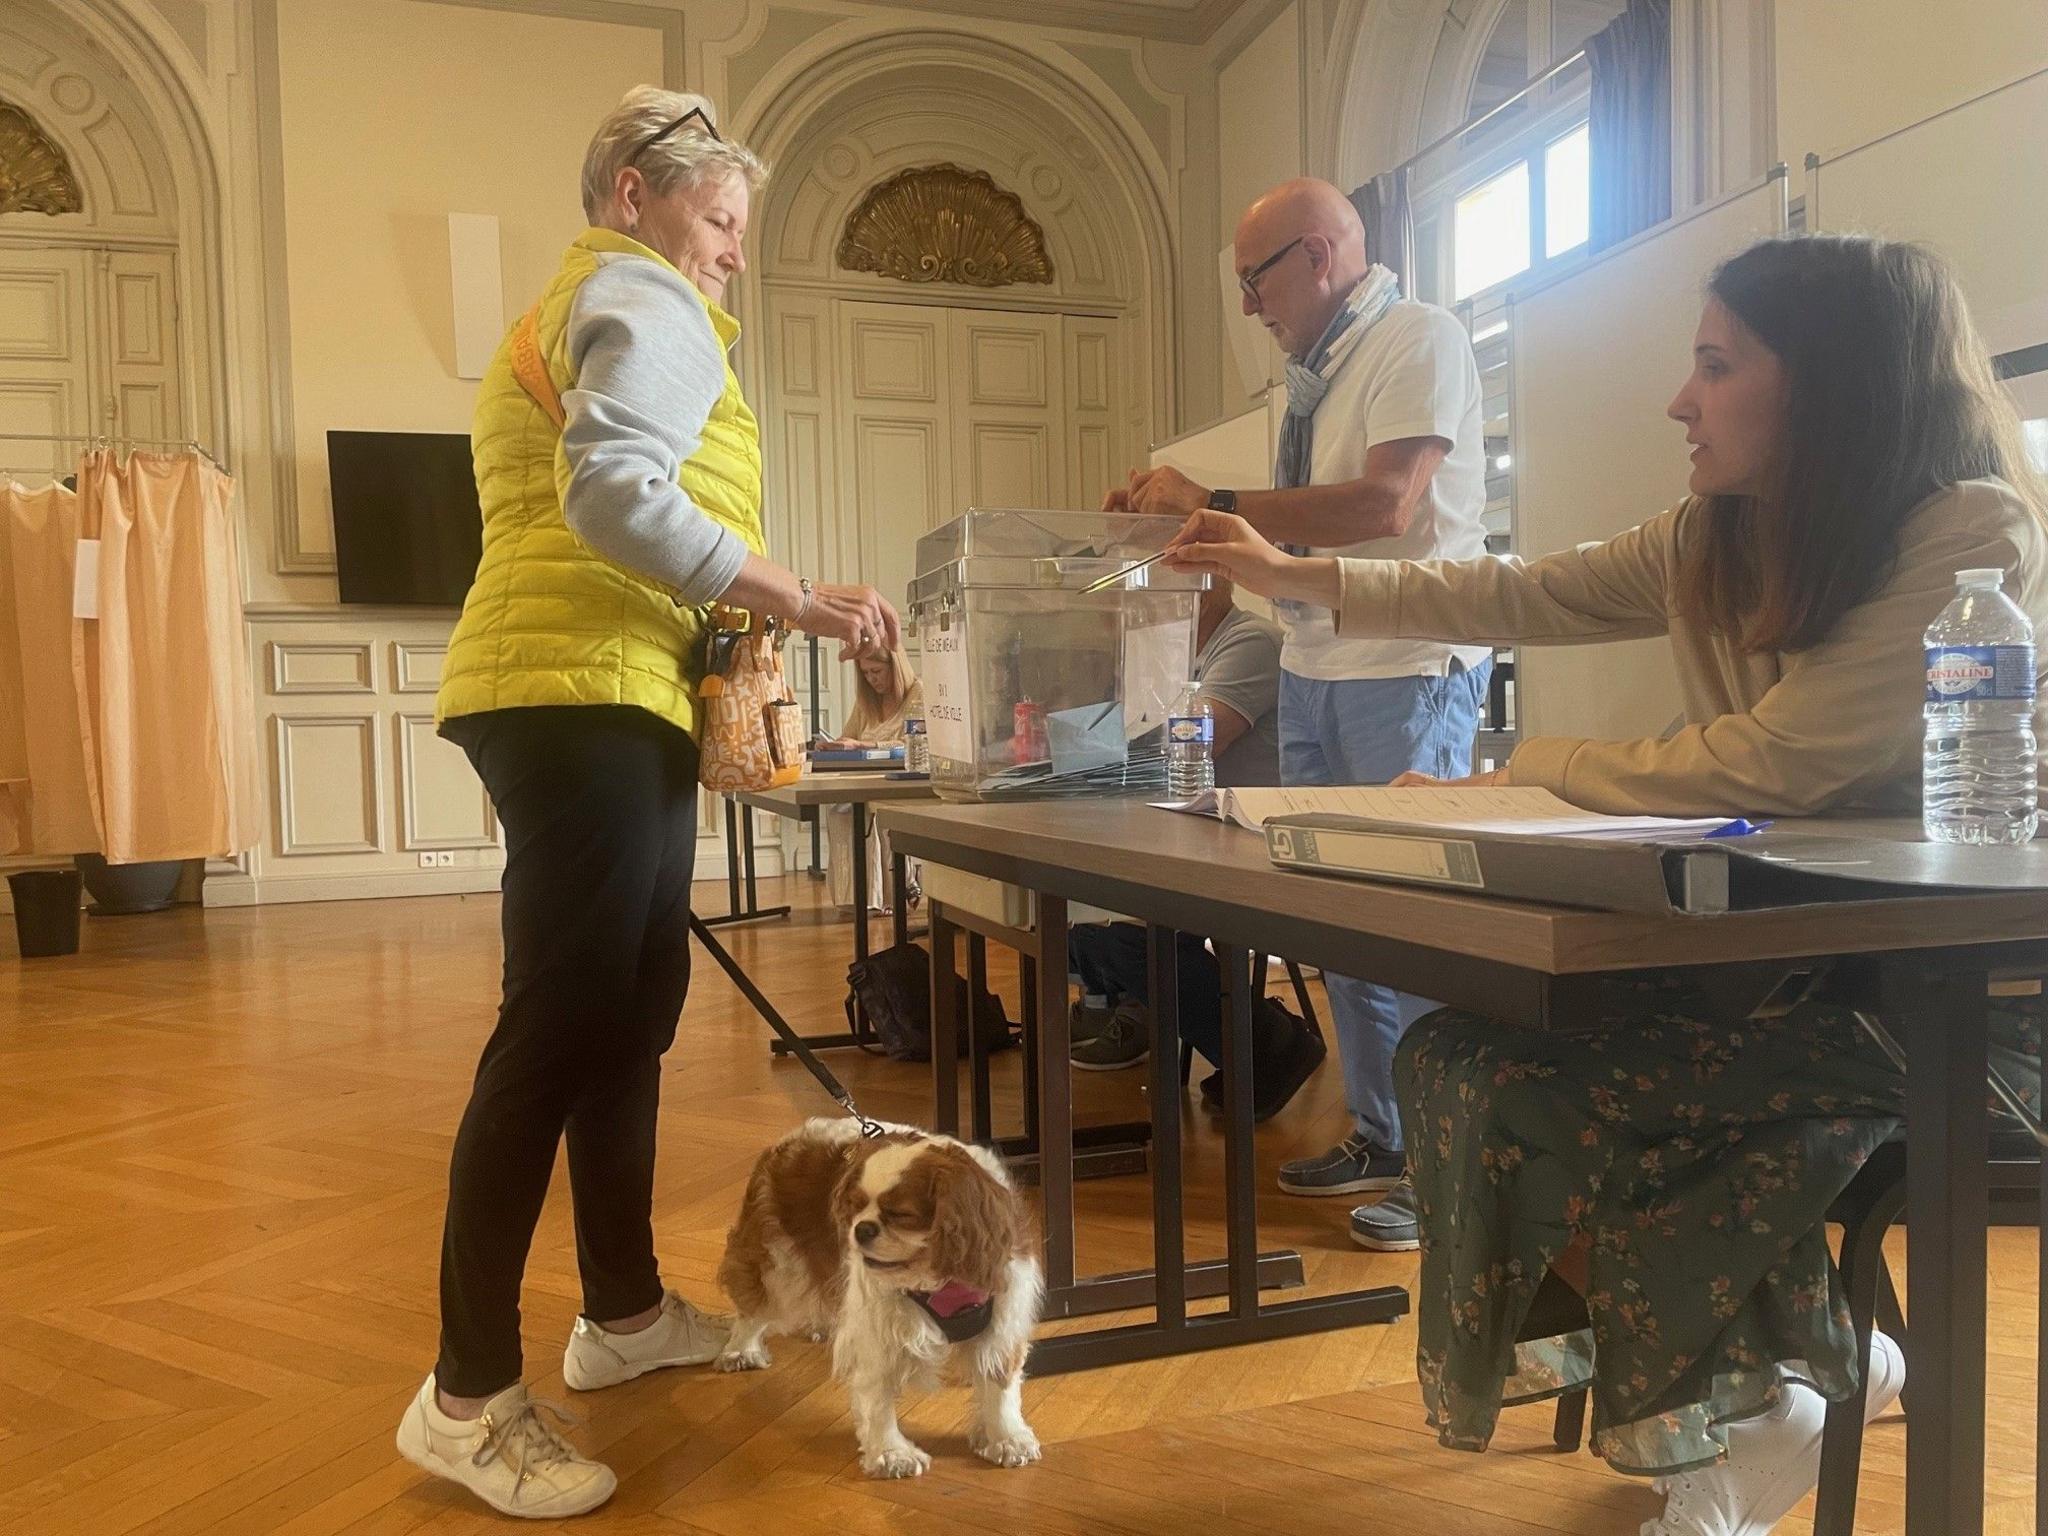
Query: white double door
[88, 344]
[942, 408]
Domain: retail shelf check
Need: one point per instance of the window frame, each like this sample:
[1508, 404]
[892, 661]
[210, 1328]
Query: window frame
[1467, 167]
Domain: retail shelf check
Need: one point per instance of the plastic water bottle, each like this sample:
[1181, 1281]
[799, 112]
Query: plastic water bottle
[1190, 746]
[1978, 775]
[917, 755]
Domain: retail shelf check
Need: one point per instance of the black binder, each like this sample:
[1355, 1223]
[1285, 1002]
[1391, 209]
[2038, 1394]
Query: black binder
[1693, 875]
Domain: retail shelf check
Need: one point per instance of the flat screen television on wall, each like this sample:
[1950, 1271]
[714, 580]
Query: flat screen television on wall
[406, 525]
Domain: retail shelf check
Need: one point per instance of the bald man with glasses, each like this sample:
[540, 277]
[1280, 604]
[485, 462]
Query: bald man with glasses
[1382, 456]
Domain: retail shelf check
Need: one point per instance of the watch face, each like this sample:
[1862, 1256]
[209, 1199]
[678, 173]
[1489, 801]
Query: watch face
[1223, 501]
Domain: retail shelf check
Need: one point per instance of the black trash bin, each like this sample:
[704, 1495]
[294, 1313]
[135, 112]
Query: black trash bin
[46, 911]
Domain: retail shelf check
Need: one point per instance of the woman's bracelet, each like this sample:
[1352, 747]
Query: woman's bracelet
[804, 586]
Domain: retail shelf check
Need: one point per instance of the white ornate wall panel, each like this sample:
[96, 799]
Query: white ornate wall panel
[360, 785]
[330, 667]
[416, 668]
[329, 783]
[442, 803]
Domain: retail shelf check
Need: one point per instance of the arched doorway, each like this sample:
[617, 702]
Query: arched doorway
[891, 404]
[105, 296]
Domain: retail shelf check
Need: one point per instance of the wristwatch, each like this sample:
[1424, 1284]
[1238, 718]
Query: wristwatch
[1222, 501]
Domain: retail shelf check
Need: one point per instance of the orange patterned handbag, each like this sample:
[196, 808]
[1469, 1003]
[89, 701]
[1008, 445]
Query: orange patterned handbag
[750, 732]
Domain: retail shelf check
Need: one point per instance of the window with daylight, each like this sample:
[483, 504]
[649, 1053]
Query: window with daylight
[1529, 216]
[1510, 199]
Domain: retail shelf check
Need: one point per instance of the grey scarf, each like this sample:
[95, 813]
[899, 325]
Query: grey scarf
[1308, 378]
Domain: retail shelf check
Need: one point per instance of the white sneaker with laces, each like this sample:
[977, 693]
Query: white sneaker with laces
[1773, 1461]
[511, 1458]
[682, 1335]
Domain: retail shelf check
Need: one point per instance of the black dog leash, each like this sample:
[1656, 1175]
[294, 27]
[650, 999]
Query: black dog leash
[818, 1069]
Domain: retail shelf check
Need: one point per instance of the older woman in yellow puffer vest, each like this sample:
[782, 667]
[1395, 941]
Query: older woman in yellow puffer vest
[619, 471]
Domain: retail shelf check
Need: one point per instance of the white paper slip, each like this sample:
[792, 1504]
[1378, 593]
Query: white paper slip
[85, 581]
[1503, 809]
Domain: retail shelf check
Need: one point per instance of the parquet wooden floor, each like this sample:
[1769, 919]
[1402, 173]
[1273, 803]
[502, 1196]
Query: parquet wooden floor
[223, 1140]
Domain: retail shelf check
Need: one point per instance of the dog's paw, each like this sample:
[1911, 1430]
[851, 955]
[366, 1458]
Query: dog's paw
[754, 1359]
[1016, 1450]
[904, 1460]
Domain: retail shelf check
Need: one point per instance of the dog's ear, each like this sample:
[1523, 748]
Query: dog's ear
[975, 1224]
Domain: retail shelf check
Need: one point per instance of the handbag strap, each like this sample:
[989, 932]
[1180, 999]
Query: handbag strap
[531, 369]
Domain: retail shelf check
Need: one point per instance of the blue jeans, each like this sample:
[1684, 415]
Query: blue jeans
[1367, 731]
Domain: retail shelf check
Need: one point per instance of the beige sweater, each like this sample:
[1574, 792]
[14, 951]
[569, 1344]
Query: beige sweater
[887, 731]
[1837, 727]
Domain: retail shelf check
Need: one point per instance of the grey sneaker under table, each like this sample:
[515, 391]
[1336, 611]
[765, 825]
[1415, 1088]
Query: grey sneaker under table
[1392, 1226]
[1353, 1167]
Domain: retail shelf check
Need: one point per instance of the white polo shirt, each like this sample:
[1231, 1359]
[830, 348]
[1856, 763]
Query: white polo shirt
[1411, 375]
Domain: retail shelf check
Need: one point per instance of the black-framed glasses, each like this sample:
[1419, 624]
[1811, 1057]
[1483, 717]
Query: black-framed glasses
[661, 133]
[1249, 282]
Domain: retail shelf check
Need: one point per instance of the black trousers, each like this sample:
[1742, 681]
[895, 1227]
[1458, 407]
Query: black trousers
[599, 805]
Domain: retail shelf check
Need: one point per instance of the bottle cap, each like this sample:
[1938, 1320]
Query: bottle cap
[1989, 578]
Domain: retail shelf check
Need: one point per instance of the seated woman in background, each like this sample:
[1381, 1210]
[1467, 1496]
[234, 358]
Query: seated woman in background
[885, 693]
[1851, 453]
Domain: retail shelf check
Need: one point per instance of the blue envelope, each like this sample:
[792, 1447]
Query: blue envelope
[1085, 739]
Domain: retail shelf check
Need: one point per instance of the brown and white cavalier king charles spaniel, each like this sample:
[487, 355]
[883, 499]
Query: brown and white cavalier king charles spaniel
[912, 1253]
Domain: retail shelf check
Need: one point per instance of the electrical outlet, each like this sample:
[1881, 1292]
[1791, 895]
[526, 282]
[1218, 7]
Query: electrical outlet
[445, 858]
[426, 861]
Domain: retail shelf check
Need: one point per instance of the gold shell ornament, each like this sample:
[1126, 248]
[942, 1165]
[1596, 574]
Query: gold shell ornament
[944, 224]
[34, 175]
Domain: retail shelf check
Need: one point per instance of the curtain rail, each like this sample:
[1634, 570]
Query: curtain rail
[1490, 113]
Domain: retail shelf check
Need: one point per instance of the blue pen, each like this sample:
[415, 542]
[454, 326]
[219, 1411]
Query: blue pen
[1739, 828]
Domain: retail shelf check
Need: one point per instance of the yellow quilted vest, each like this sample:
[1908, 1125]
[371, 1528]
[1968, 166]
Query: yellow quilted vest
[548, 620]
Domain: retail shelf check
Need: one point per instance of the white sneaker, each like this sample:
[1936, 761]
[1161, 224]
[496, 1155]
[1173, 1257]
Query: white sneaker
[511, 1458]
[682, 1335]
[1773, 1461]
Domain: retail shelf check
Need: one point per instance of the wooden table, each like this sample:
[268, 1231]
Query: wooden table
[802, 801]
[1921, 964]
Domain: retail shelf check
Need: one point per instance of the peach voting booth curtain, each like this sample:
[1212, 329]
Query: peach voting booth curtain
[168, 691]
[48, 792]
[131, 731]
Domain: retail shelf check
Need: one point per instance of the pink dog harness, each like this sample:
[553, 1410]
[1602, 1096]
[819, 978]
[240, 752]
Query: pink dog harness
[961, 1311]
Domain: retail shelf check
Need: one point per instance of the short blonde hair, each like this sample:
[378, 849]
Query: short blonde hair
[687, 155]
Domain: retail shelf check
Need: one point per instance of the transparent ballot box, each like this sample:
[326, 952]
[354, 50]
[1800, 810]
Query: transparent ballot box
[1033, 687]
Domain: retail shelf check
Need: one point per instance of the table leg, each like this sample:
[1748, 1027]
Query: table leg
[747, 855]
[1169, 1237]
[899, 899]
[1027, 988]
[1055, 1093]
[1240, 1175]
[732, 854]
[945, 1030]
[1947, 1212]
[982, 1121]
[739, 866]
[861, 1030]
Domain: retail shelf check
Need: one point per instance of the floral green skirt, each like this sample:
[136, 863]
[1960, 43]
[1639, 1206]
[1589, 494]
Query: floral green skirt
[1697, 1155]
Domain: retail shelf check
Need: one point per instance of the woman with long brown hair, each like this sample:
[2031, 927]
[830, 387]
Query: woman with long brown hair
[886, 692]
[1671, 1158]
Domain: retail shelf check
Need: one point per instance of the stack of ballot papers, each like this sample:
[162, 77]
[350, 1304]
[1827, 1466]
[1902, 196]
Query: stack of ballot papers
[1502, 810]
